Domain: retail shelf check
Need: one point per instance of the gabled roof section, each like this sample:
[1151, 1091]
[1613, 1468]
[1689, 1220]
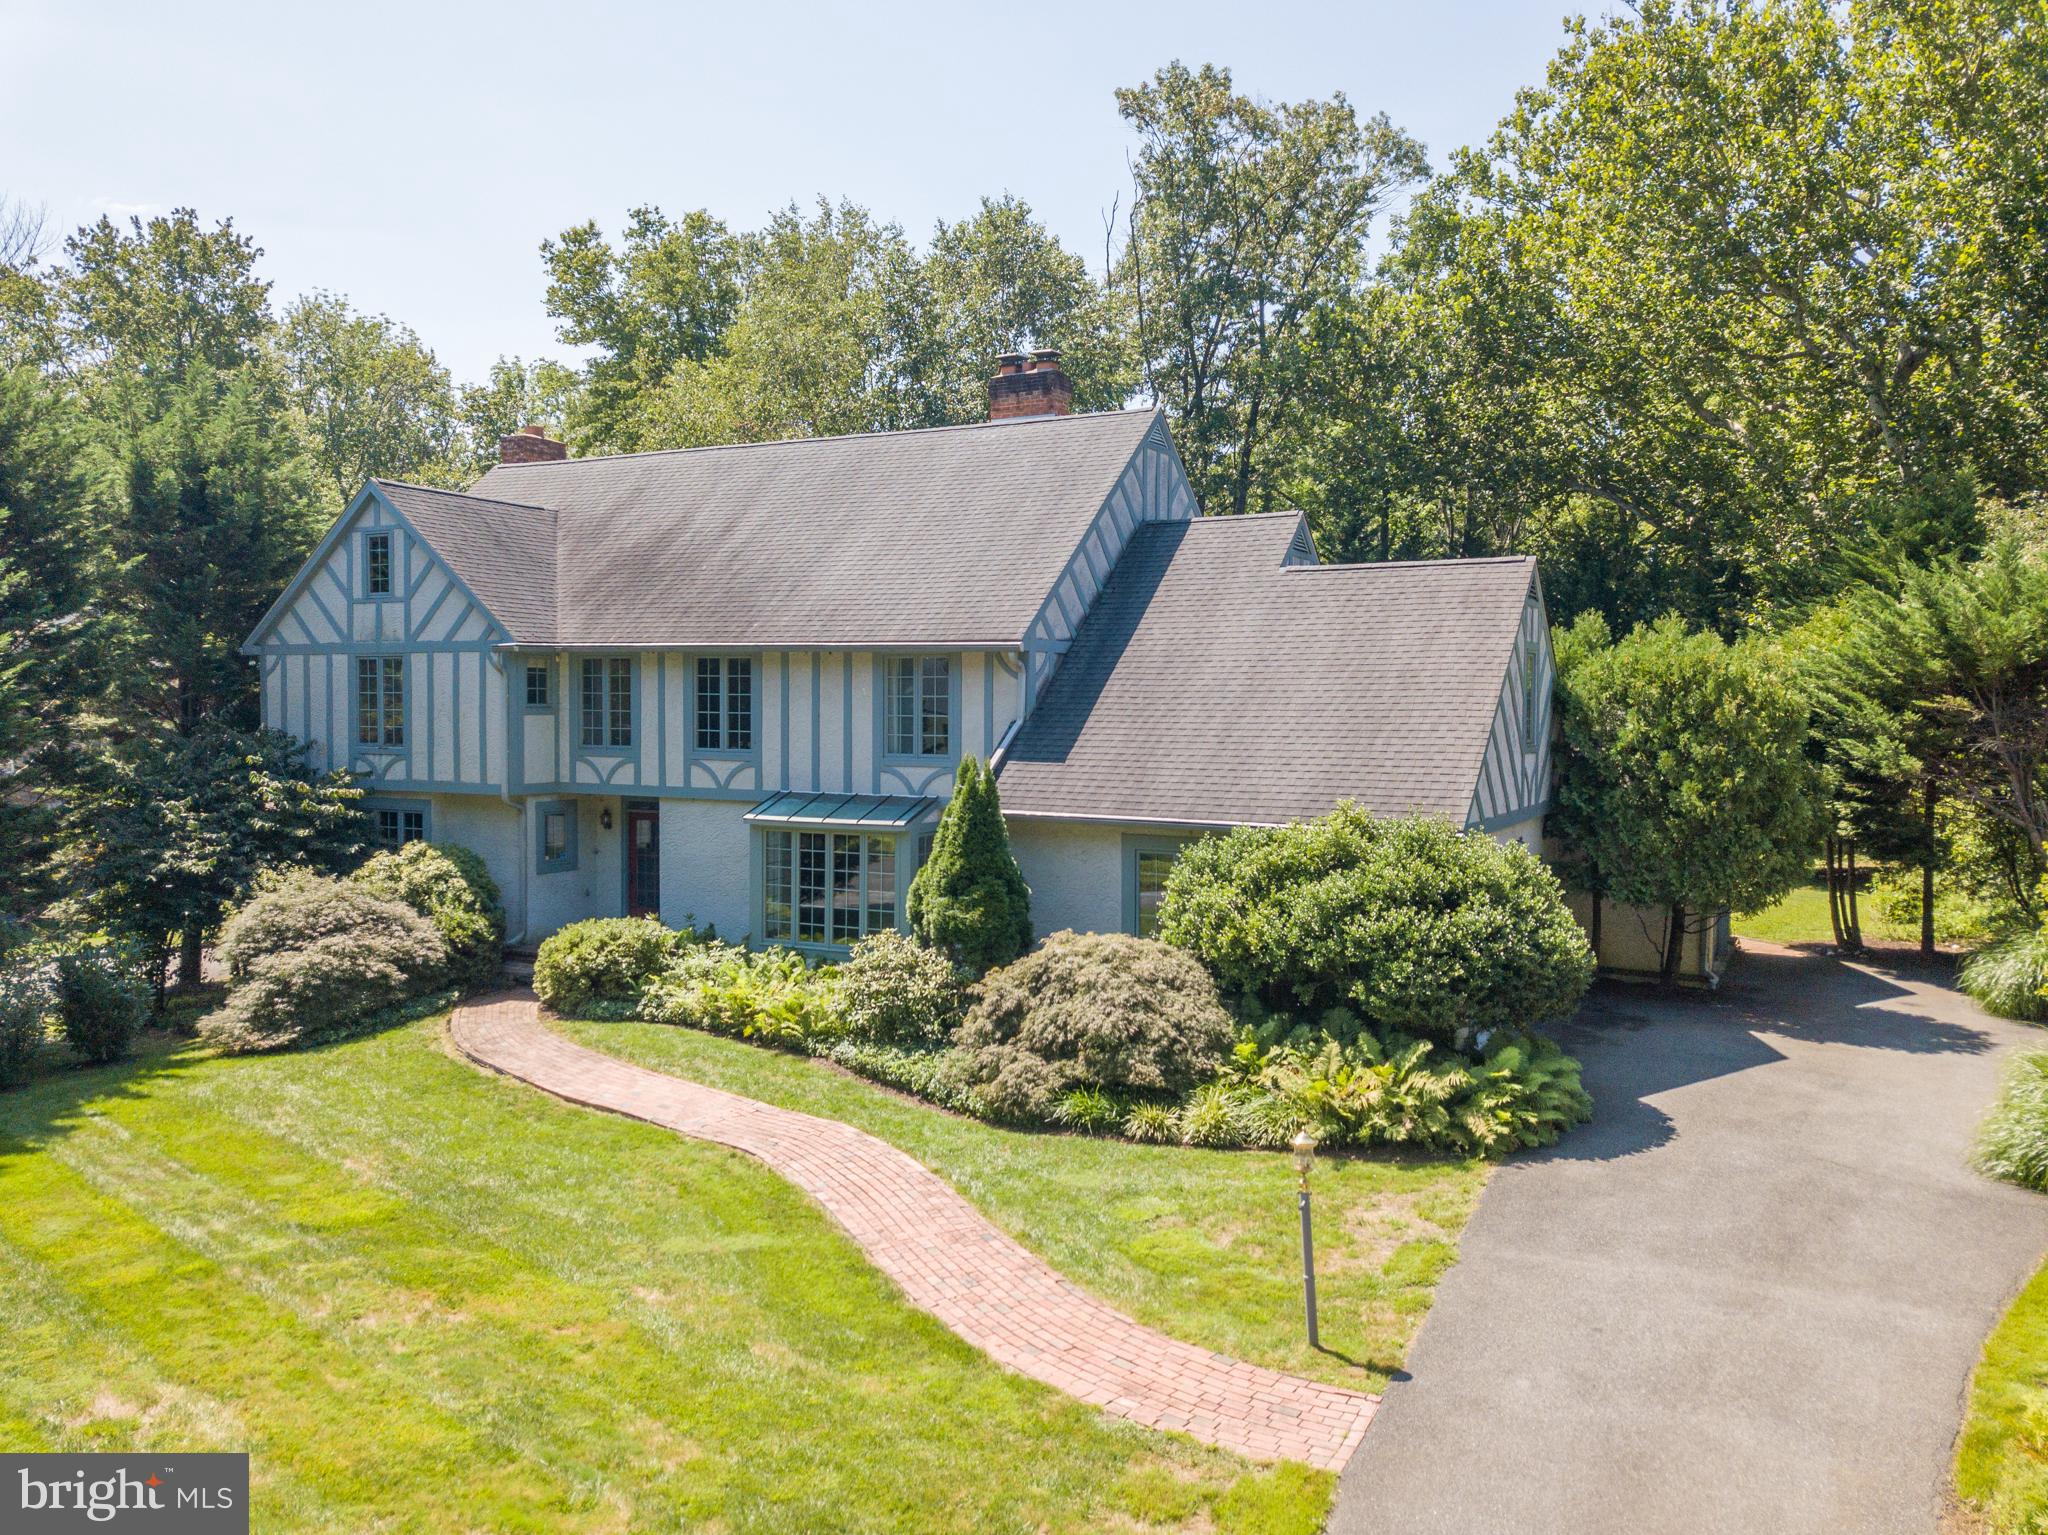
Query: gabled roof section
[1213, 683]
[502, 551]
[944, 537]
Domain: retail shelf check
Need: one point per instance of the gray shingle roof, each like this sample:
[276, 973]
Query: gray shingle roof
[1210, 684]
[503, 551]
[952, 536]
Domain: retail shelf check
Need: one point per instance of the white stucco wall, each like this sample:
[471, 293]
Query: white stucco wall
[706, 866]
[595, 887]
[1075, 872]
[488, 827]
[1529, 833]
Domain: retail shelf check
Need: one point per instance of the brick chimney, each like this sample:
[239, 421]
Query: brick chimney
[531, 445]
[1029, 386]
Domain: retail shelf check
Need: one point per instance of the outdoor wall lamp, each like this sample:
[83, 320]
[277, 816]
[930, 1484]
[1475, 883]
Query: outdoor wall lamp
[1304, 1146]
[604, 818]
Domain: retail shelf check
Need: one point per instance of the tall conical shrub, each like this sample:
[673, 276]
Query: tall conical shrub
[969, 901]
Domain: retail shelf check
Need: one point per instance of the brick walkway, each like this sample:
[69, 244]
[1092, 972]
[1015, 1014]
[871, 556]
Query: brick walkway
[949, 1260]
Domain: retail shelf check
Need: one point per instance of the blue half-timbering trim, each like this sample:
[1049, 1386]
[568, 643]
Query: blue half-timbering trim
[334, 535]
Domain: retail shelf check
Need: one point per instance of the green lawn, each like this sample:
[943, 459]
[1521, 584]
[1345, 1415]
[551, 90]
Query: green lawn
[1204, 1245]
[2002, 1456]
[425, 1298]
[1802, 917]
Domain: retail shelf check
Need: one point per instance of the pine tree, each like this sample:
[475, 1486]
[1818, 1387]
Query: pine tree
[969, 900]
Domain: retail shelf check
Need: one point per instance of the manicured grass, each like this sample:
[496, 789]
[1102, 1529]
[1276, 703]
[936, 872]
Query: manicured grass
[1802, 917]
[428, 1299]
[1204, 1245]
[2002, 1455]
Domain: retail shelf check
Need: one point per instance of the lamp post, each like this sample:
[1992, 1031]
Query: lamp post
[1305, 1158]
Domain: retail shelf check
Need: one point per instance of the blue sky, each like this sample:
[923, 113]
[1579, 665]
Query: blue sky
[414, 156]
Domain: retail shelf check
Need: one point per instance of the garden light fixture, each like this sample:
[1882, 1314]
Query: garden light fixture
[1304, 1146]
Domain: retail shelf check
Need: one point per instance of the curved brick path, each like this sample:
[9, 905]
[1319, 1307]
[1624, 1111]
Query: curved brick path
[948, 1259]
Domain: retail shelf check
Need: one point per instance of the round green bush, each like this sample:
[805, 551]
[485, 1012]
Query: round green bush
[1100, 1010]
[310, 956]
[603, 960]
[895, 991]
[99, 1003]
[450, 887]
[1421, 929]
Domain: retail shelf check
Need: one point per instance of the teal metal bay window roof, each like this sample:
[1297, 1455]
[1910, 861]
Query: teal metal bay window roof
[868, 812]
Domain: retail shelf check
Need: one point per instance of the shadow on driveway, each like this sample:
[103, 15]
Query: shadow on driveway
[1746, 1298]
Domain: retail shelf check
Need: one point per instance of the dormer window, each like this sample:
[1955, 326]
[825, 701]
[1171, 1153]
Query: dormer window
[377, 564]
[920, 706]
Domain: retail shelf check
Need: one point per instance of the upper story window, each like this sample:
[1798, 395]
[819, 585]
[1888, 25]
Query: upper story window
[725, 703]
[540, 685]
[919, 707]
[607, 702]
[380, 700]
[377, 564]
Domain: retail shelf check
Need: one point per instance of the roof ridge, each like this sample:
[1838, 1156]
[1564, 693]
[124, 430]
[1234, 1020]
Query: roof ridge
[785, 442]
[464, 495]
[1449, 560]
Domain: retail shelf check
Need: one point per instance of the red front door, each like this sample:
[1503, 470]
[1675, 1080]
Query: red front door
[643, 862]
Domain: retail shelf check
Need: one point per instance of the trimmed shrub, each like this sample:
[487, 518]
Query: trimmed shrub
[2007, 977]
[2013, 1143]
[969, 900]
[773, 995]
[604, 960]
[24, 1020]
[450, 887]
[895, 991]
[1098, 1010]
[1423, 930]
[99, 1003]
[313, 956]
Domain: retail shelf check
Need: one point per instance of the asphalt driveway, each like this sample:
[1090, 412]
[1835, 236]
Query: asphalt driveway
[1747, 1298]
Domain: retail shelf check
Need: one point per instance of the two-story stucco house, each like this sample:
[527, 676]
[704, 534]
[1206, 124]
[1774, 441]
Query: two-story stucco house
[732, 684]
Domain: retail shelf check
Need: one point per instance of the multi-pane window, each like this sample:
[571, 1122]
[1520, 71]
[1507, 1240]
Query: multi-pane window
[919, 706]
[725, 704]
[539, 685]
[1530, 657]
[607, 701]
[397, 826]
[554, 836]
[1151, 875]
[380, 700]
[377, 564]
[828, 887]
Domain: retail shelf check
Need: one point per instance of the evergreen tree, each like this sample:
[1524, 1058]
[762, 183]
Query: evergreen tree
[969, 901]
[1683, 780]
[56, 644]
[219, 513]
[168, 830]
